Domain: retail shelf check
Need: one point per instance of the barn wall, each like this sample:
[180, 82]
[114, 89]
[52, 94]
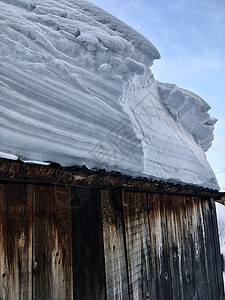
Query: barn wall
[58, 242]
[35, 242]
[169, 243]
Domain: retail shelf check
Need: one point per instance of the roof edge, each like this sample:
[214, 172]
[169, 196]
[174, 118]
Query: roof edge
[17, 171]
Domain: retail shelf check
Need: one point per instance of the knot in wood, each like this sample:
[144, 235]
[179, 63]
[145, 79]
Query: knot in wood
[35, 265]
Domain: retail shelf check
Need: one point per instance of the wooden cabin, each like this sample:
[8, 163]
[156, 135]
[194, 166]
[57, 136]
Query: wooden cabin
[69, 234]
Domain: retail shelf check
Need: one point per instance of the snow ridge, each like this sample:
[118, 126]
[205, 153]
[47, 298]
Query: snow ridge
[76, 88]
[189, 110]
[165, 140]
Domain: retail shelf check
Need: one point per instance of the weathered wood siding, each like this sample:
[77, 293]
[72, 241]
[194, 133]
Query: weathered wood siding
[115, 252]
[35, 242]
[161, 247]
[52, 243]
[15, 241]
[88, 251]
[60, 242]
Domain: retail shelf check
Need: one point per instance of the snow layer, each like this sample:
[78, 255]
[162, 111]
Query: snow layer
[76, 88]
[221, 180]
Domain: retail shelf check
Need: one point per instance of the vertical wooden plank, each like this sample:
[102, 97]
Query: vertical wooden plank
[183, 242]
[52, 243]
[88, 249]
[17, 243]
[196, 239]
[212, 250]
[220, 283]
[176, 239]
[159, 247]
[3, 245]
[186, 236]
[137, 244]
[114, 245]
[207, 290]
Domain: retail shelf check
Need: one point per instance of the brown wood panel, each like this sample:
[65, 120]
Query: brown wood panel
[206, 291]
[220, 283]
[182, 240]
[16, 241]
[135, 211]
[187, 248]
[88, 249]
[198, 249]
[176, 239]
[114, 245]
[52, 243]
[162, 288]
[3, 245]
[212, 249]
[193, 257]
[15, 170]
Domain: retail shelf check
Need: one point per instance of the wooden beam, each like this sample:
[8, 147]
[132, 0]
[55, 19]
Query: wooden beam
[17, 171]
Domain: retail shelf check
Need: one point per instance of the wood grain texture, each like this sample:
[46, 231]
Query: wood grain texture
[137, 244]
[176, 239]
[107, 244]
[117, 285]
[182, 235]
[218, 278]
[4, 269]
[52, 243]
[88, 253]
[159, 248]
[18, 171]
[16, 241]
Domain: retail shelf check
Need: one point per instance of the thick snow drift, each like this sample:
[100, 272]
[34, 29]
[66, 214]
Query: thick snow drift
[76, 88]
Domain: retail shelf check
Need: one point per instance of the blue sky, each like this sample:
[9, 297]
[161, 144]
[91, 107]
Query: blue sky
[190, 36]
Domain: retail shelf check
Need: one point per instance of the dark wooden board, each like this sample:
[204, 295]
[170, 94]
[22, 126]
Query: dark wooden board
[16, 241]
[159, 247]
[187, 245]
[135, 210]
[52, 243]
[4, 269]
[114, 245]
[18, 171]
[177, 242]
[88, 251]
[58, 243]
[216, 274]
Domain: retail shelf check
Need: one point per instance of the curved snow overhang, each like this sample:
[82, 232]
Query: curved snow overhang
[76, 89]
[191, 111]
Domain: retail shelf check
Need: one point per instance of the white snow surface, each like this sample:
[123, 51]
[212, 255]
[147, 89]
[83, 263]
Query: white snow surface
[221, 179]
[76, 88]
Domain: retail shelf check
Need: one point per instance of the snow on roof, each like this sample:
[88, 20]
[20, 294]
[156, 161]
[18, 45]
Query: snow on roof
[76, 88]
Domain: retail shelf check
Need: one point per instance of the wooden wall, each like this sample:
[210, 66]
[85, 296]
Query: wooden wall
[58, 242]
